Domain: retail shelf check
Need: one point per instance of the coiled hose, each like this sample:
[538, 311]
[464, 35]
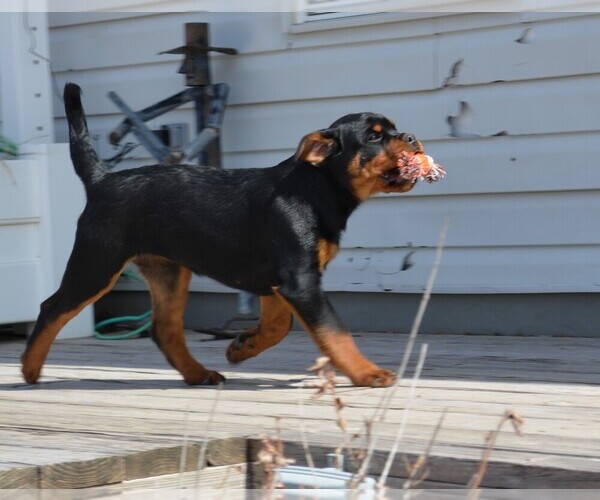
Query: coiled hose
[125, 319]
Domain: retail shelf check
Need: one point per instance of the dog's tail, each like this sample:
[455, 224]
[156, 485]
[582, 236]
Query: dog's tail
[88, 165]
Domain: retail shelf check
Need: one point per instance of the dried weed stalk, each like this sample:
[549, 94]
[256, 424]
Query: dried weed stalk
[204, 447]
[490, 440]
[387, 397]
[307, 454]
[325, 384]
[184, 446]
[399, 435]
[222, 489]
[270, 456]
[418, 471]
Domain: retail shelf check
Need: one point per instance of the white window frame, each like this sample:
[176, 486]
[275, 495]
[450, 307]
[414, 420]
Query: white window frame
[331, 14]
[309, 11]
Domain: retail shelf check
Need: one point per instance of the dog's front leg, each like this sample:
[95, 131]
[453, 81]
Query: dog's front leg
[312, 308]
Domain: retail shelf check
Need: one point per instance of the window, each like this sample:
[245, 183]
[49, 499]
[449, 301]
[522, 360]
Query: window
[312, 15]
[308, 11]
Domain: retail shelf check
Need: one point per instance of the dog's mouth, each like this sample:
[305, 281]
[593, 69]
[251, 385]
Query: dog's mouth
[393, 177]
[411, 167]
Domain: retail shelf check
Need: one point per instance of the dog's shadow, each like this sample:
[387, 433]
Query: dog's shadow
[109, 384]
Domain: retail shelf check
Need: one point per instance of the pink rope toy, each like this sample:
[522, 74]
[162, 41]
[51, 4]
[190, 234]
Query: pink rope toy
[418, 166]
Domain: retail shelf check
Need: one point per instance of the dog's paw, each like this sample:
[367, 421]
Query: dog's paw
[240, 349]
[30, 371]
[375, 377]
[207, 377]
[30, 376]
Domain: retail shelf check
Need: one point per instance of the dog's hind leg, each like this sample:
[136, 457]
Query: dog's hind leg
[89, 275]
[275, 323]
[168, 282]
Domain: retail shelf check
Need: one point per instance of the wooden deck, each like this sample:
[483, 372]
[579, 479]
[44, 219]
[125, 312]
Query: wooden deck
[107, 412]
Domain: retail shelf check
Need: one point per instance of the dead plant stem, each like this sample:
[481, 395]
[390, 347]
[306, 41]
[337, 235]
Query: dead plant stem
[307, 454]
[405, 414]
[490, 442]
[204, 447]
[184, 446]
[387, 397]
[417, 471]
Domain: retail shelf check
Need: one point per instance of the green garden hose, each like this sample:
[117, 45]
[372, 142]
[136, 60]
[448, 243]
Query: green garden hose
[124, 319]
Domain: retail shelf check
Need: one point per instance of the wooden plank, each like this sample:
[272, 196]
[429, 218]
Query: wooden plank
[465, 269]
[58, 19]
[471, 220]
[480, 414]
[19, 477]
[161, 461]
[83, 474]
[227, 477]
[27, 451]
[226, 451]
[547, 57]
[471, 434]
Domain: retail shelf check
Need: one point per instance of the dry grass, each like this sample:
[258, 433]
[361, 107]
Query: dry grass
[270, 457]
[384, 405]
[490, 440]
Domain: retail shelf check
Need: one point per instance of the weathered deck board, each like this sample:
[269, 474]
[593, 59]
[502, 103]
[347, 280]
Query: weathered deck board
[99, 400]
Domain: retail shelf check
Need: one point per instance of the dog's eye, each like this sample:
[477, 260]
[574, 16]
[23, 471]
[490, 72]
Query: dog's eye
[375, 136]
[410, 139]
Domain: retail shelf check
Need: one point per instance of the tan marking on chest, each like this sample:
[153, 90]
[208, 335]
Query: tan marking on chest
[326, 251]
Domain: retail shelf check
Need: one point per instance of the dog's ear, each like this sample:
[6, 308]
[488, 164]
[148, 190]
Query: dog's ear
[315, 148]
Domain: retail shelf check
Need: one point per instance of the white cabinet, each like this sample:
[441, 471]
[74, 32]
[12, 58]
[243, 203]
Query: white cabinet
[40, 201]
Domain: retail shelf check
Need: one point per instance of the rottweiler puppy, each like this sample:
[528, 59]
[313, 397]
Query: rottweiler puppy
[269, 231]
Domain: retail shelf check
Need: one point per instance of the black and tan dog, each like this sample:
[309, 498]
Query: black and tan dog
[269, 231]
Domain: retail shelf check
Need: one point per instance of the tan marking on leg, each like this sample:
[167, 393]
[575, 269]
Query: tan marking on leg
[34, 356]
[275, 323]
[339, 346]
[326, 251]
[168, 283]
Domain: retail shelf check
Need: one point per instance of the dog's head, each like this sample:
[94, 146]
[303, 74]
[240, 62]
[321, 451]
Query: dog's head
[362, 150]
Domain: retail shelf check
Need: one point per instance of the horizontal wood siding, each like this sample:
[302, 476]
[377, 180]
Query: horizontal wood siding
[523, 185]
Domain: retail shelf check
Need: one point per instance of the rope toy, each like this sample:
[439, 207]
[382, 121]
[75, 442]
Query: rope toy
[419, 166]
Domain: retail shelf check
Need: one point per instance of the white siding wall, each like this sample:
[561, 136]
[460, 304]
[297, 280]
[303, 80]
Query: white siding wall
[523, 207]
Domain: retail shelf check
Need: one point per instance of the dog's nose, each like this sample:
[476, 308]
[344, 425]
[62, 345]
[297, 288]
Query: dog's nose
[412, 141]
